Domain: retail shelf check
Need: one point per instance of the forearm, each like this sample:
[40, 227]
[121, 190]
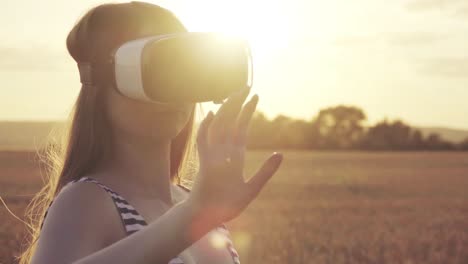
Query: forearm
[158, 242]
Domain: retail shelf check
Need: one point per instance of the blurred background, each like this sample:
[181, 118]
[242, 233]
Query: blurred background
[367, 99]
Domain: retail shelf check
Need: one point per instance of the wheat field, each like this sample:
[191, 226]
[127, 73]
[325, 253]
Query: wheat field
[321, 207]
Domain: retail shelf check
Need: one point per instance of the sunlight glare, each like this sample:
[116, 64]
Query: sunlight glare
[262, 23]
[218, 240]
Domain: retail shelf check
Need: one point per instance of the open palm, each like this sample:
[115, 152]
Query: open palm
[220, 189]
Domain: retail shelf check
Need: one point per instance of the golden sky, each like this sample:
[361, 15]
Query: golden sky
[405, 59]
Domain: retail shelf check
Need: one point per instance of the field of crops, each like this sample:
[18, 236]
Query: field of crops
[321, 207]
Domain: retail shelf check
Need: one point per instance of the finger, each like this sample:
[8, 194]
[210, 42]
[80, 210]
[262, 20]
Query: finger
[226, 115]
[231, 118]
[256, 183]
[223, 120]
[202, 134]
[234, 100]
[242, 124]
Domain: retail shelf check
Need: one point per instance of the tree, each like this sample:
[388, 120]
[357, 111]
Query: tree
[417, 139]
[338, 127]
[389, 135]
[283, 132]
[463, 145]
[259, 134]
[435, 142]
[289, 133]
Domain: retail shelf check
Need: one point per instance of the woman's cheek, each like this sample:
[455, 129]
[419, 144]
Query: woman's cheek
[140, 119]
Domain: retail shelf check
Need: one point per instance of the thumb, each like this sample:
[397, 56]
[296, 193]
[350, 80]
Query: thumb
[269, 167]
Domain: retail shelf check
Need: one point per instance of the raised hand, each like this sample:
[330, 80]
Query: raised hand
[220, 192]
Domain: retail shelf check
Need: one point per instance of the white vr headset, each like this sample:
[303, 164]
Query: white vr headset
[181, 67]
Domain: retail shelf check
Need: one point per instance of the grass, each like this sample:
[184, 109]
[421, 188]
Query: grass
[321, 207]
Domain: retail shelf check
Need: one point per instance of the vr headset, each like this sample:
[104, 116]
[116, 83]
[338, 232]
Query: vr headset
[182, 67]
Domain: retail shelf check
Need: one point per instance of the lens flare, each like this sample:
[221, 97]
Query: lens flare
[218, 240]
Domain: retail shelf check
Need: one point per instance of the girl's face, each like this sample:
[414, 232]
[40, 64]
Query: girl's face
[144, 120]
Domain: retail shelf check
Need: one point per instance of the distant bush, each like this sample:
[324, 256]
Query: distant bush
[341, 128]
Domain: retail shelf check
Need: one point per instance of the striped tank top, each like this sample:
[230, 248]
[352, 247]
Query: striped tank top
[133, 222]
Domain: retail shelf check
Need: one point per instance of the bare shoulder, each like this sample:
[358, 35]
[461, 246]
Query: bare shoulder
[81, 220]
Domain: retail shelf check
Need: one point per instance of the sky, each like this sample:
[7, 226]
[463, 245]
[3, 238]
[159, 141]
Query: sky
[395, 59]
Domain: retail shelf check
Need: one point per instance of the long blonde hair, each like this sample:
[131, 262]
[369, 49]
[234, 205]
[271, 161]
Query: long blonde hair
[85, 139]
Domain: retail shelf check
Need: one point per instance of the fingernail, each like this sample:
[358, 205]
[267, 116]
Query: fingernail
[254, 98]
[278, 155]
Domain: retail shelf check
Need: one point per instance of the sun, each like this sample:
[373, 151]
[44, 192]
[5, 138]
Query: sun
[262, 23]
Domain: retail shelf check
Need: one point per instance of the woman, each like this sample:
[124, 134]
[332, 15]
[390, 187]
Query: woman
[116, 195]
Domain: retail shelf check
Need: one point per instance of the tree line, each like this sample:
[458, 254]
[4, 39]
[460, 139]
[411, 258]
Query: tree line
[341, 128]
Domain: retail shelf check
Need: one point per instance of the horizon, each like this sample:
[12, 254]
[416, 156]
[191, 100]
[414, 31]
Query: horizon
[409, 64]
[366, 124]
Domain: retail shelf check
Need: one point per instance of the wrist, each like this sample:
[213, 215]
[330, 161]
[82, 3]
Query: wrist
[200, 220]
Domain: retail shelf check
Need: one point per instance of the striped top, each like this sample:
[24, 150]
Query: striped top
[133, 221]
